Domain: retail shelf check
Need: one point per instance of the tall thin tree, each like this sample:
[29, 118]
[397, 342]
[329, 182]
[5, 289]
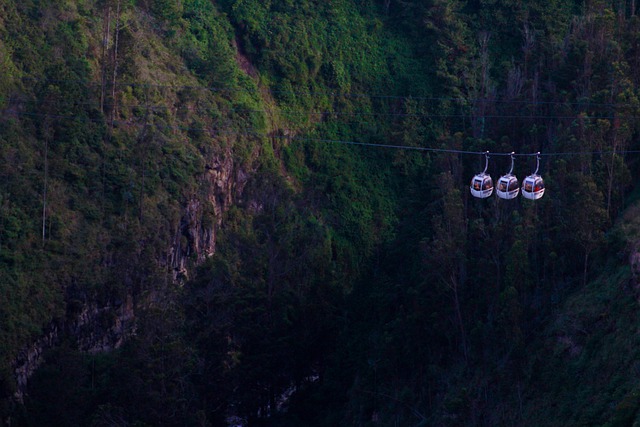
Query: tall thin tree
[105, 48]
[115, 64]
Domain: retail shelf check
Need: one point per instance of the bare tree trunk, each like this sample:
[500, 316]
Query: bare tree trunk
[105, 48]
[115, 64]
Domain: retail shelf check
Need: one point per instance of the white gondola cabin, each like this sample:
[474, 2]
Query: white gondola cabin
[482, 184]
[508, 186]
[533, 185]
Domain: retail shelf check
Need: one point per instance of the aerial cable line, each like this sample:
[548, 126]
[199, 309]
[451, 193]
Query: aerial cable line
[250, 131]
[452, 151]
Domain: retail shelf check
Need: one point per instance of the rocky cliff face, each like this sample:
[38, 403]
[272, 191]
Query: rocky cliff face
[195, 238]
[97, 328]
[30, 358]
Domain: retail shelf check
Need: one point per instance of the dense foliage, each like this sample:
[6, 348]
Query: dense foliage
[347, 284]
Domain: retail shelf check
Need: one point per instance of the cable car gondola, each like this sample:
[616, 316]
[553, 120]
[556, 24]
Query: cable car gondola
[482, 184]
[533, 185]
[508, 187]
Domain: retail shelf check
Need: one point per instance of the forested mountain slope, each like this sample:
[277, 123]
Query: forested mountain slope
[190, 233]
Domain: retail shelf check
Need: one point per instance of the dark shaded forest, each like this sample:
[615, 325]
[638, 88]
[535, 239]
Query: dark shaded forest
[257, 213]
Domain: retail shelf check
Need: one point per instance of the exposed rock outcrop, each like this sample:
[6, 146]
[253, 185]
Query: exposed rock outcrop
[98, 328]
[30, 358]
[195, 238]
[94, 329]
